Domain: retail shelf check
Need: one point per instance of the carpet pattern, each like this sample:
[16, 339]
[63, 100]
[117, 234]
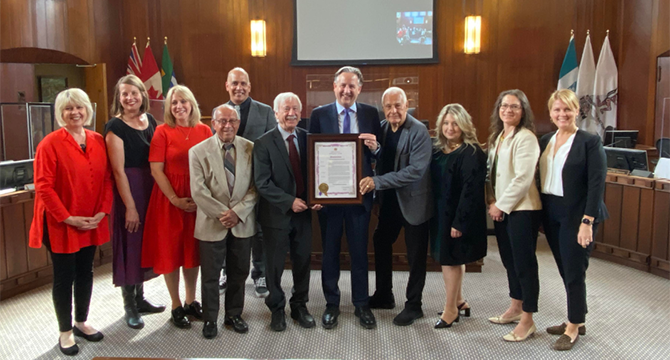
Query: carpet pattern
[629, 317]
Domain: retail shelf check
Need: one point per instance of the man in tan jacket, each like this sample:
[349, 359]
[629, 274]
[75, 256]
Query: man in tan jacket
[222, 188]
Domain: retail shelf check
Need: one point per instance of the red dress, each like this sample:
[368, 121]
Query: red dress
[168, 241]
[70, 182]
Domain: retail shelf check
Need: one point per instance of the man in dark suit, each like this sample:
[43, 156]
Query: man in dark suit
[342, 117]
[403, 187]
[256, 119]
[280, 172]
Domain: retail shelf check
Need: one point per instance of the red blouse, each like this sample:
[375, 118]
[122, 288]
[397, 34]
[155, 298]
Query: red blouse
[70, 182]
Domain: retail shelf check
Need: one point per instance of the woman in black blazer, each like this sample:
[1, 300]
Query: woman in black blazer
[572, 171]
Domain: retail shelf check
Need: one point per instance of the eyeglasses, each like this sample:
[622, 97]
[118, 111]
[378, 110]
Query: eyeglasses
[232, 122]
[513, 107]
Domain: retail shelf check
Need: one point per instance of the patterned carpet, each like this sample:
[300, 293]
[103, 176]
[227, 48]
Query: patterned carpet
[629, 318]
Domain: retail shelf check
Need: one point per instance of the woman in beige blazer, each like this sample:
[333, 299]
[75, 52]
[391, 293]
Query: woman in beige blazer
[514, 205]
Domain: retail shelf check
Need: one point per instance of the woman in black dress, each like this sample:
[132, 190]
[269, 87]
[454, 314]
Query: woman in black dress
[458, 231]
[128, 136]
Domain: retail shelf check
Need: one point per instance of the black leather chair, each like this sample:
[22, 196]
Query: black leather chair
[663, 146]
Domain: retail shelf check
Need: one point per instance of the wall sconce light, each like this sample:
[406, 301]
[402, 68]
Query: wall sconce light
[258, 44]
[473, 35]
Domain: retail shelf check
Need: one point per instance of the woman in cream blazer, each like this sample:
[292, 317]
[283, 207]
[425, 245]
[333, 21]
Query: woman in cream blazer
[514, 205]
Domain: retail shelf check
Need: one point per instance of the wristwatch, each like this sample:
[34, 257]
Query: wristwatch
[587, 221]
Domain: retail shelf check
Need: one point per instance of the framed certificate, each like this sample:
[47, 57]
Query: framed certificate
[334, 165]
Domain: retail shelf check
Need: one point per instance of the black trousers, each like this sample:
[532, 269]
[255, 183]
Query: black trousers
[235, 251]
[561, 227]
[69, 269]
[517, 241]
[297, 239]
[391, 221]
[333, 220]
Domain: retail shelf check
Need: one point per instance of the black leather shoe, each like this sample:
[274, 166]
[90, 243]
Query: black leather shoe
[69, 351]
[329, 318]
[278, 322]
[143, 305]
[303, 317]
[407, 317]
[194, 309]
[209, 330]
[441, 324]
[367, 319]
[179, 318]
[378, 301]
[92, 338]
[239, 325]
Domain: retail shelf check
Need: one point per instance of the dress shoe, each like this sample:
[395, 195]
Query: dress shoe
[514, 338]
[236, 322]
[367, 319]
[143, 305]
[407, 317]
[278, 322]
[179, 318]
[461, 308]
[560, 329]
[92, 338]
[329, 318]
[441, 324]
[502, 320]
[303, 317]
[209, 330]
[565, 343]
[378, 301]
[194, 309]
[69, 351]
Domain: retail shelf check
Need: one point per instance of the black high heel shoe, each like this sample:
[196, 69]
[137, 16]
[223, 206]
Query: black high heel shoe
[466, 311]
[443, 324]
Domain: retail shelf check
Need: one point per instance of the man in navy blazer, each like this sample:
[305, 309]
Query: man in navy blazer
[404, 191]
[256, 119]
[347, 116]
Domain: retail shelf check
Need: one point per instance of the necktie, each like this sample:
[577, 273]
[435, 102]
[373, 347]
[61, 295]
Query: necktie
[295, 165]
[346, 123]
[229, 165]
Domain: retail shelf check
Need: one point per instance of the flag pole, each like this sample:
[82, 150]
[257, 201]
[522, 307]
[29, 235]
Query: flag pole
[134, 40]
[165, 40]
[572, 32]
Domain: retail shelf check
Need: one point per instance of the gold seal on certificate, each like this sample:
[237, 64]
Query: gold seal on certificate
[335, 168]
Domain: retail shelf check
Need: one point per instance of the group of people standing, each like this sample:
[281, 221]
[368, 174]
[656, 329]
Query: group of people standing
[186, 198]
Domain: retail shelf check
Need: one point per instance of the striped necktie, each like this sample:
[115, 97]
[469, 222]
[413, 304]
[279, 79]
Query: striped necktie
[229, 165]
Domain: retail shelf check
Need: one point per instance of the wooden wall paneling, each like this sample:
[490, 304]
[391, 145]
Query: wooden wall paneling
[56, 17]
[660, 243]
[646, 224]
[612, 226]
[660, 44]
[15, 239]
[40, 23]
[3, 253]
[13, 79]
[16, 31]
[96, 88]
[630, 210]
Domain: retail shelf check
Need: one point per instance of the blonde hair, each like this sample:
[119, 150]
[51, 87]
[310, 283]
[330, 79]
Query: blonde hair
[566, 96]
[73, 96]
[464, 122]
[117, 107]
[185, 93]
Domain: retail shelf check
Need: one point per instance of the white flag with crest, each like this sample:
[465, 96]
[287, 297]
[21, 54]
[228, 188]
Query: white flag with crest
[605, 89]
[585, 82]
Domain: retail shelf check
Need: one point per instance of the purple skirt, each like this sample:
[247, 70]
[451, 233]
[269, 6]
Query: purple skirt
[126, 246]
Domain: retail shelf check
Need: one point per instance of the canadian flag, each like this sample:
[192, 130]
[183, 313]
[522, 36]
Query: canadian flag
[151, 75]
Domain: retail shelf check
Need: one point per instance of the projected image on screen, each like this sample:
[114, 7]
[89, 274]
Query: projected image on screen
[414, 27]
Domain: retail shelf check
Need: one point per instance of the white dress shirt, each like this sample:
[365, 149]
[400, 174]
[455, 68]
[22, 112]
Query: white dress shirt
[551, 166]
[285, 135]
[353, 124]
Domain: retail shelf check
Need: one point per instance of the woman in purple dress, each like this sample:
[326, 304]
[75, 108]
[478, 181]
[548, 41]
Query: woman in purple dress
[128, 136]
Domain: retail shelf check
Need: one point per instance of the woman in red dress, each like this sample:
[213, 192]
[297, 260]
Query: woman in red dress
[71, 205]
[170, 222]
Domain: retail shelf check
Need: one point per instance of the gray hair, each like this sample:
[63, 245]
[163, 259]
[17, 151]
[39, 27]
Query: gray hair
[394, 89]
[281, 99]
[350, 69]
[225, 106]
[73, 96]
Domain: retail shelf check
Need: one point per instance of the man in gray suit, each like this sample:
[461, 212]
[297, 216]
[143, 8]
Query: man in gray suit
[256, 119]
[222, 187]
[280, 173]
[403, 187]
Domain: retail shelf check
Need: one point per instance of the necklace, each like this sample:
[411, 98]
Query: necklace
[189, 132]
[453, 147]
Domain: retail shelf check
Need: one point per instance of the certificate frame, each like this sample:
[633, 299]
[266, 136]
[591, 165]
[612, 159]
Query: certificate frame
[312, 140]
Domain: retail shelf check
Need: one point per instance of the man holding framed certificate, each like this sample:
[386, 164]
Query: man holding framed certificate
[346, 116]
